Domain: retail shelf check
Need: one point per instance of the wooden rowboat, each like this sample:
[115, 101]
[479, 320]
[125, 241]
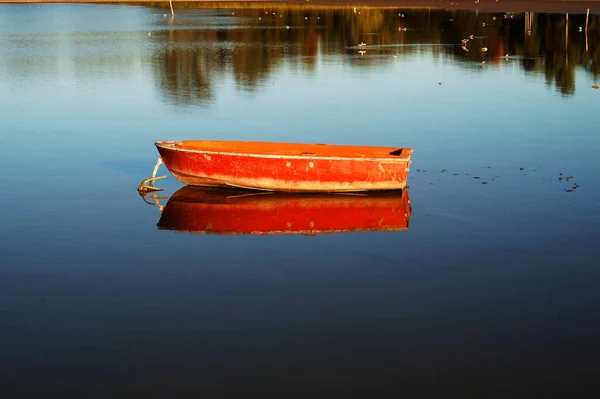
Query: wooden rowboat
[286, 166]
[204, 210]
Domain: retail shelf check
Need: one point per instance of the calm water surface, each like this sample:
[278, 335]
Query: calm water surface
[491, 291]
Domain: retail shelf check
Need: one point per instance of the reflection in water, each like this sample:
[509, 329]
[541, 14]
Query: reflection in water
[224, 211]
[198, 47]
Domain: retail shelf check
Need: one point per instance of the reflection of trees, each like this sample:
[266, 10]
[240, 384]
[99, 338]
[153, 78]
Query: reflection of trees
[256, 42]
[184, 75]
[185, 70]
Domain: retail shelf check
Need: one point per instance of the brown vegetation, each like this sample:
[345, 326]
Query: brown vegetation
[481, 5]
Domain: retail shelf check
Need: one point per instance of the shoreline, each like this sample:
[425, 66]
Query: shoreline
[552, 6]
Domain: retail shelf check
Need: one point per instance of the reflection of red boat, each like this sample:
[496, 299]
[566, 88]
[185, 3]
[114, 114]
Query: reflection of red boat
[286, 166]
[228, 211]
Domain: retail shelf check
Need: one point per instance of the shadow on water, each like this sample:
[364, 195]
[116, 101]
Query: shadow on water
[236, 211]
[198, 48]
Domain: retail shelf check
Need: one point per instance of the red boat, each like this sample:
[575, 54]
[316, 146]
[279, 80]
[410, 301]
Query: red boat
[233, 211]
[286, 166]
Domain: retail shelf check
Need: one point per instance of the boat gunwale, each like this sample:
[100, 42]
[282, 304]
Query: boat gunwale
[171, 146]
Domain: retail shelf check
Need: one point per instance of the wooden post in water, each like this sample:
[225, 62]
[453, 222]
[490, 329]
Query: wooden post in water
[587, 15]
[529, 18]
[567, 32]
[171, 4]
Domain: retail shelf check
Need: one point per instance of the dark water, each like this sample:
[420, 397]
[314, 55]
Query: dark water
[492, 291]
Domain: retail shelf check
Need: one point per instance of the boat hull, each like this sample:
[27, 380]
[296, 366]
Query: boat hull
[203, 210]
[292, 172]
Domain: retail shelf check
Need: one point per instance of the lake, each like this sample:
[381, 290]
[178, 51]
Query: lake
[486, 290]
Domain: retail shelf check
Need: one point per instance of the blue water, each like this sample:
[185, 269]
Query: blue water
[491, 291]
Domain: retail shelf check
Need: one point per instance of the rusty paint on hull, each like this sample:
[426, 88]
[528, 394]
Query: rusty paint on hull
[286, 166]
[232, 211]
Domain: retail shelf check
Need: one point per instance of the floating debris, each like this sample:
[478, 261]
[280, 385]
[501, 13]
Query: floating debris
[440, 83]
[521, 168]
[443, 170]
[484, 49]
[484, 182]
[476, 177]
